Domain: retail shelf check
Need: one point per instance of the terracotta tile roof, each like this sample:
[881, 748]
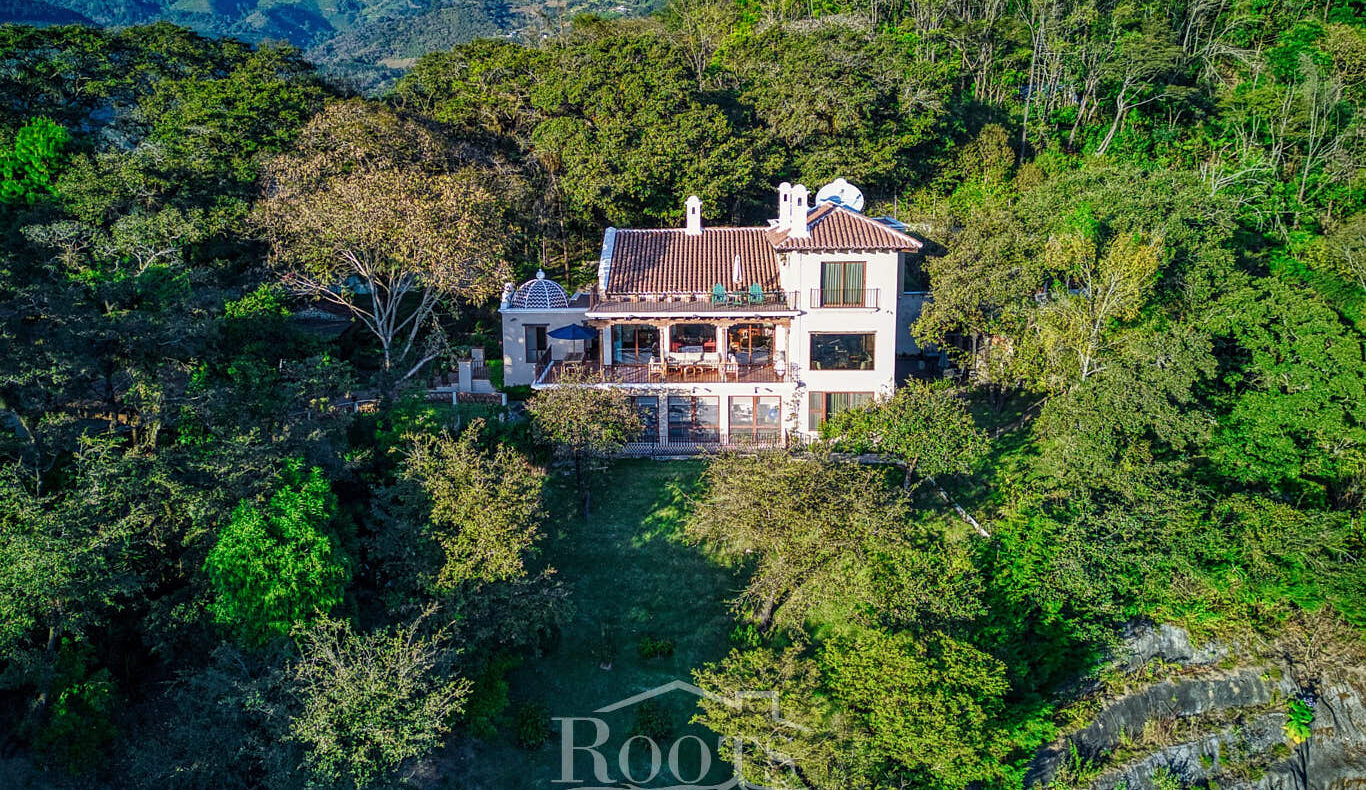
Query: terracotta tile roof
[834, 227]
[669, 260]
[646, 261]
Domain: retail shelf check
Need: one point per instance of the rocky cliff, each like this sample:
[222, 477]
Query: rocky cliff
[1168, 713]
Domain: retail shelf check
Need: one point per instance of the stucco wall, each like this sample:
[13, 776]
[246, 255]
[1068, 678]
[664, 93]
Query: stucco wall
[882, 271]
[516, 369]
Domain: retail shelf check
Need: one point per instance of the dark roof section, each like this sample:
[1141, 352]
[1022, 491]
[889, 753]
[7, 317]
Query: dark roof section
[835, 227]
[663, 261]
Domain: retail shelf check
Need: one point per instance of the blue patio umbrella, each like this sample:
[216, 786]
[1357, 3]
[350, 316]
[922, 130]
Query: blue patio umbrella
[573, 332]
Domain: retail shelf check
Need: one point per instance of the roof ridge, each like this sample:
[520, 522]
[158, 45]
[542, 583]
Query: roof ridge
[860, 215]
[705, 228]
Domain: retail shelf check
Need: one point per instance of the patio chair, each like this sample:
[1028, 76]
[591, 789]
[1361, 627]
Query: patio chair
[756, 294]
[718, 295]
[659, 367]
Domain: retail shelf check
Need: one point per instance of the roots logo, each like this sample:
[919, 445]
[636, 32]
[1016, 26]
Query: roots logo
[630, 744]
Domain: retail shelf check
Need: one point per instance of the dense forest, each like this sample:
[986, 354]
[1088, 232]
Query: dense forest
[216, 570]
[365, 44]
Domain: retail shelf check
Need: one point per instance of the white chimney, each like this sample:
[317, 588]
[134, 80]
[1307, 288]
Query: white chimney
[797, 222]
[694, 205]
[784, 205]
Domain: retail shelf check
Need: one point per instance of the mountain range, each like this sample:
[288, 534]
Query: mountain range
[366, 44]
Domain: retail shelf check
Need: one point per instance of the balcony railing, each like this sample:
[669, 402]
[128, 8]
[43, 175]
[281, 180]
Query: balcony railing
[738, 301]
[542, 364]
[844, 297]
[694, 373]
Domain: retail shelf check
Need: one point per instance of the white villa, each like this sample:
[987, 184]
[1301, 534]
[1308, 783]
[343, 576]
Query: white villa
[734, 336]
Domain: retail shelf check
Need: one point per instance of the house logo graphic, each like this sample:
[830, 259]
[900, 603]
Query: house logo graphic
[591, 758]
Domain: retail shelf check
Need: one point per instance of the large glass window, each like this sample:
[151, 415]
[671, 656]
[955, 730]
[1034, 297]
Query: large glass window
[842, 284]
[824, 405]
[755, 418]
[694, 419]
[634, 344]
[751, 344]
[647, 406]
[536, 342]
[692, 338]
[842, 351]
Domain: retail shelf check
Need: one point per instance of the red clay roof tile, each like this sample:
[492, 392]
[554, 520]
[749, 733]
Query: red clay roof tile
[670, 261]
[663, 261]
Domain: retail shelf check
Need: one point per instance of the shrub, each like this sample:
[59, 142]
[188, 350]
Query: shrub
[489, 696]
[650, 647]
[746, 637]
[1299, 717]
[653, 721]
[531, 725]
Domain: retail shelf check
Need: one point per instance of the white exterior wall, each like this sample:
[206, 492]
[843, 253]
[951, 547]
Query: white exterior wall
[516, 370]
[801, 272]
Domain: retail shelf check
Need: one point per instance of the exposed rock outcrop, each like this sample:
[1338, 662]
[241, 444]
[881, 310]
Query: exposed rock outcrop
[1211, 715]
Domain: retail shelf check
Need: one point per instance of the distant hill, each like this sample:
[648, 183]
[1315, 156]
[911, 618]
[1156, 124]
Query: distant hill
[365, 43]
[36, 12]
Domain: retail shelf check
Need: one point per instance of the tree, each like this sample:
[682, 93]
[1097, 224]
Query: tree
[277, 564]
[824, 535]
[1297, 410]
[370, 702]
[926, 426]
[373, 211]
[1343, 251]
[485, 507]
[586, 419]
[29, 168]
[864, 709]
[1074, 329]
[919, 707]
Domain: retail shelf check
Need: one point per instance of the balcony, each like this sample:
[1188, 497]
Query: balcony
[694, 303]
[866, 298]
[673, 373]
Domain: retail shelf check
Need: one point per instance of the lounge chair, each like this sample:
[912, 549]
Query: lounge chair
[719, 296]
[756, 294]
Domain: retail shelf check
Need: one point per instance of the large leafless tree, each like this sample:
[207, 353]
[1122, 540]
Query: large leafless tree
[376, 213]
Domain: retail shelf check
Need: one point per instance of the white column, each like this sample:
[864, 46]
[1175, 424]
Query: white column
[605, 345]
[663, 426]
[722, 346]
[723, 419]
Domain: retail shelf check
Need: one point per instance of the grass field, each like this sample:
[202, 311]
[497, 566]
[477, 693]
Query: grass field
[632, 576]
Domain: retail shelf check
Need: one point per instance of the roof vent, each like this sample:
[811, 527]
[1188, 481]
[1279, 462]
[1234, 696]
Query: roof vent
[694, 206]
[797, 222]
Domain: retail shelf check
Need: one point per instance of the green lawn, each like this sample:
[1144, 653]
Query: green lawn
[630, 573]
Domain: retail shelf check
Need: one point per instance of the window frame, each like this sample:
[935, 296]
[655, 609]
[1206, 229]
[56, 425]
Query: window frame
[845, 295]
[697, 433]
[655, 351]
[823, 397]
[533, 355]
[870, 348]
[649, 433]
[754, 432]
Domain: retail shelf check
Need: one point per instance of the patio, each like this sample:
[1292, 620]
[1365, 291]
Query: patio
[687, 371]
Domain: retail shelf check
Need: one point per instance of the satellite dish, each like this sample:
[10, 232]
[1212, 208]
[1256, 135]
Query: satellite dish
[841, 192]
